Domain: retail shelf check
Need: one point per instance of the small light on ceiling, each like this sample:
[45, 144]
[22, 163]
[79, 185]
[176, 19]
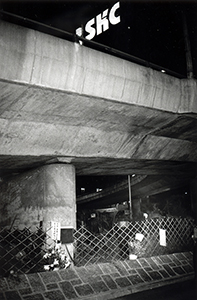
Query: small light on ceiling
[163, 71]
[133, 175]
[185, 193]
[83, 189]
[98, 190]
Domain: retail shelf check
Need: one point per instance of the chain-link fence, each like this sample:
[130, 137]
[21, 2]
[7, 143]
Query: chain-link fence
[119, 242]
[21, 251]
[24, 251]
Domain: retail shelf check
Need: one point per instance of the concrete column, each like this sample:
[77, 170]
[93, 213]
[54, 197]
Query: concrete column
[60, 200]
[41, 196]
[59, 195]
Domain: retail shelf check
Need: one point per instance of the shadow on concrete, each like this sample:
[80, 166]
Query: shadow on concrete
[186, 290]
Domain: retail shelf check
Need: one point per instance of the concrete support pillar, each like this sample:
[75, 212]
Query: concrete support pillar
[39, 197]
[60, 201]
[59, 195]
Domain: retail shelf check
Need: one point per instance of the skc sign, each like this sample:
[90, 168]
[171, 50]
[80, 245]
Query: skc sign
[100, 23]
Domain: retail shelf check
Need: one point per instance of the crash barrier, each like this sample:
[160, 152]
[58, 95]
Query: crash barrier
[24, 251]
[131, 240]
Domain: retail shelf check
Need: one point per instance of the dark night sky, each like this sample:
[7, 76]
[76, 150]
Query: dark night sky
[149, 30]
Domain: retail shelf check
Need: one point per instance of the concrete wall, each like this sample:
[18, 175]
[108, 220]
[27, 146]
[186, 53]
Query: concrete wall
[62, 99]
[30, 57]
[45, 194]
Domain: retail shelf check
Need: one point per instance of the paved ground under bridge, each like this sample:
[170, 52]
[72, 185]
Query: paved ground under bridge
[101, 281]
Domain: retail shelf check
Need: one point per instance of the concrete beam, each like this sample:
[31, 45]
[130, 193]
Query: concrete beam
[60, 99]
[36, 59]
[39, 139]
[20, 102]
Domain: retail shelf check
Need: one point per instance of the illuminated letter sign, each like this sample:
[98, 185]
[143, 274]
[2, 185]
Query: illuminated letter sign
[112, 18]
[90, 29]
[101, 23]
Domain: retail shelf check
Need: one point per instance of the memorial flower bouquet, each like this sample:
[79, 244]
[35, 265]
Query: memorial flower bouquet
[55, 258]
[136, 246]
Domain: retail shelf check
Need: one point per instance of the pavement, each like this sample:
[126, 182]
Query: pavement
[100, 281]
[176, 291]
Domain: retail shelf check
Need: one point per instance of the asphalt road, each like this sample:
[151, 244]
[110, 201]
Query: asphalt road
[179, 291]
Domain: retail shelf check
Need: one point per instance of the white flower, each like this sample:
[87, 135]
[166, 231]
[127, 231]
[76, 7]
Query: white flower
[46, 255]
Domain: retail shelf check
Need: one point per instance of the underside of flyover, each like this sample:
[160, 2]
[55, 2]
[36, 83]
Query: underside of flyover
[64, 103]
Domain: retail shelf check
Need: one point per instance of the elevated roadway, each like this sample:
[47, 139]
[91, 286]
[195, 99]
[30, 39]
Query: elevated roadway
[63, 102]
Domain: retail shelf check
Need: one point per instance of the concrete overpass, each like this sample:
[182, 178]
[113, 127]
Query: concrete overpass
[63, 103]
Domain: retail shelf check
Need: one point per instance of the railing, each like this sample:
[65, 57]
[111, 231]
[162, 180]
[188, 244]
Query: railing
[119, 242]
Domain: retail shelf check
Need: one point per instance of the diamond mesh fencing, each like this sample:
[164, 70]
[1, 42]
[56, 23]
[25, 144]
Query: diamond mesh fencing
[120, 241]
[21, 251]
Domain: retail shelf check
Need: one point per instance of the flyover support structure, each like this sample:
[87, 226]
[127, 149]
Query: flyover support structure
[44, 197]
